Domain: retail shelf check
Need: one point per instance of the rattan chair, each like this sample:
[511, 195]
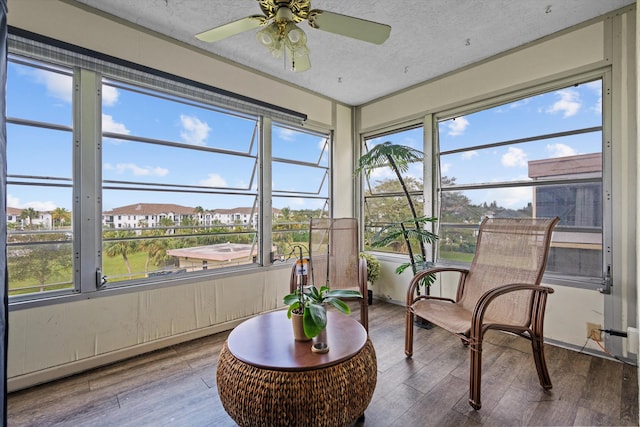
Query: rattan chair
[500, 290]
[335, 259]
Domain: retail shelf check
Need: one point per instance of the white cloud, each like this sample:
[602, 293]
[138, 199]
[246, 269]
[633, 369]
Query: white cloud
[514, 157]
[41, 206]
[194, 131]
[513, 198]
[568, 104]
[122, 168]
[519, 104]
[13, 202]
[109, 95]
[560, 150]
[301, 203]
[214, 180]
[445, 167]
[469, 154]
[287, 134]
[58, 85]
[513, 105]
[457, 126]
[110, 125]
[596, 86]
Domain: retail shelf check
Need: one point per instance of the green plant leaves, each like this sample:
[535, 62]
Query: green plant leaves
[396, 231]
[379, 156]
[314, 300]
[314, 319]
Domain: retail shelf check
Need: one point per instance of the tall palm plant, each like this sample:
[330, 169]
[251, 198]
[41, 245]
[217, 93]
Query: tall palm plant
[29, 214]
[398, 158]
[120, 245]
[60, 216]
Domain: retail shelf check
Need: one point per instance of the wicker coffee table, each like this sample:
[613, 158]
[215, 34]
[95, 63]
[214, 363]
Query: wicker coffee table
[267, 378]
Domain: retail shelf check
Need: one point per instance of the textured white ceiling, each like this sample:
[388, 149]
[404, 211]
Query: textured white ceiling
[428, 38]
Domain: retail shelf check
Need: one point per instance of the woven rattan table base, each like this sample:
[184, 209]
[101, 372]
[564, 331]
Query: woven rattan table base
[332, 396]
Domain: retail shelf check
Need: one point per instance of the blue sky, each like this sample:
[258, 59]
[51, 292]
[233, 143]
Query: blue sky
[562, 110]
[45, 152]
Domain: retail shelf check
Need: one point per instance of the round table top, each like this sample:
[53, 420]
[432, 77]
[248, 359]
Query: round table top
[266, 341]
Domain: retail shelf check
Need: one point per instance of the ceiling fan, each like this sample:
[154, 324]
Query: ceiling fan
[283, 37]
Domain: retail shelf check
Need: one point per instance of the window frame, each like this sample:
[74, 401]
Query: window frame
[601, 284]
[89, 69]
[175, 95]
[424, 194]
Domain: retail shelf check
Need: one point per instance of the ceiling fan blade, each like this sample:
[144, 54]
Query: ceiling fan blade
[349, 26]
[232, 28]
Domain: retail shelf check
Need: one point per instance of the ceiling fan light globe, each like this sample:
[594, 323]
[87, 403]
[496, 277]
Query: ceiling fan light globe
[295, 35]
[265, 39]
[269, 36]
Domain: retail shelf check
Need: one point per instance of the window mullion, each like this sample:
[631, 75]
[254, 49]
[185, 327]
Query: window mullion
[87, 178]
[265, 190]
[429, 179]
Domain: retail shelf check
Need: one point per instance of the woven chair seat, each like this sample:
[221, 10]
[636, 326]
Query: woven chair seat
[453, 318]
[500, 290]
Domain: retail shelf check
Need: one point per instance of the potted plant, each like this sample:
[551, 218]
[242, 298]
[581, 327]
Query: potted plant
[373, 272]
[312, 302]
[411, 230]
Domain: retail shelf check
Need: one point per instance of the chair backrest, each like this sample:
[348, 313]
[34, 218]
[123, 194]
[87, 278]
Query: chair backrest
[334, 252]
[508, 251]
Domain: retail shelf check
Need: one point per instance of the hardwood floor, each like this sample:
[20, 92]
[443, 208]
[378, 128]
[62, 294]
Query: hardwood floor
[176, 386]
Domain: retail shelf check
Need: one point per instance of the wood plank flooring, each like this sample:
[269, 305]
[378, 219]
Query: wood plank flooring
[176, 386]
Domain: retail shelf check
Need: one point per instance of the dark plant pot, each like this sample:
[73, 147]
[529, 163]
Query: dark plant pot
[369, 296]
[422, 323]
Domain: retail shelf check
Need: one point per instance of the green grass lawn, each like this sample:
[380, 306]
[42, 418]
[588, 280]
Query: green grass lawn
[115, 266]
[110, 266]
[456, 256]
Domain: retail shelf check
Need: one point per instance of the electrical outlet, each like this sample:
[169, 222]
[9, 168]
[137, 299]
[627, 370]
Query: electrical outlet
[593, 331]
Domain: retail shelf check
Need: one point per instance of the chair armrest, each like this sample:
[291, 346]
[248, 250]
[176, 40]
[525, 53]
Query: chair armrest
[293, 279]
[415, 281]
[488, 297]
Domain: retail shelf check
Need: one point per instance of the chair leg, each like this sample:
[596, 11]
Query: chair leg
[408, 336]
[475, 372]
[537, 346]
[364, 313]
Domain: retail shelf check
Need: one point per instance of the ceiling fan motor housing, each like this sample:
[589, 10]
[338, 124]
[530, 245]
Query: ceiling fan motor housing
[298, 9]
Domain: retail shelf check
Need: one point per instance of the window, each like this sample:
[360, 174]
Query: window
[173, 182]
[39, 177]
[300, 176]
[181, 162]
[537, 156]
[384, 199]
